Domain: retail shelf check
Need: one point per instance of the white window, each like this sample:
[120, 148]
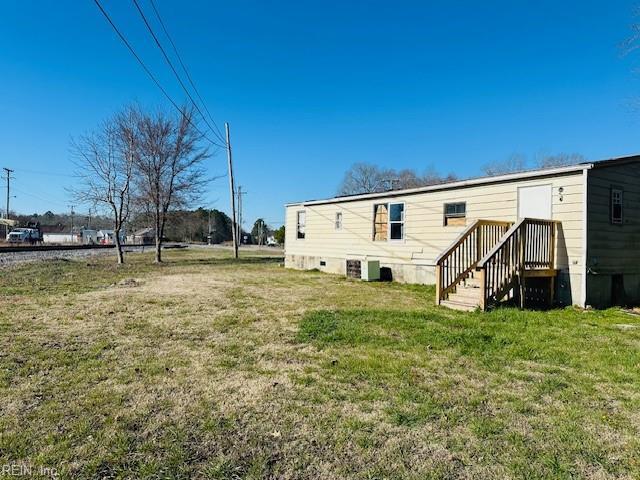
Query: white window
[338, 220]
[396, 221]
[301, 224]
[388, 221]
[616, 206]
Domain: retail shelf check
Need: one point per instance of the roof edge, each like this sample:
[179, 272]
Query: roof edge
[450, 185]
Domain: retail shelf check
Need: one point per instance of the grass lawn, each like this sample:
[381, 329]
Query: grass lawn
[205, 367]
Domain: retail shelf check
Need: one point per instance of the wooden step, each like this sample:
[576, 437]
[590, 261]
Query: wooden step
[472, 282]
[463, 306]
[469, 295]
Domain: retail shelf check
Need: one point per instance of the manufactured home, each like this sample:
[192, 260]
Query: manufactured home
[566, 236]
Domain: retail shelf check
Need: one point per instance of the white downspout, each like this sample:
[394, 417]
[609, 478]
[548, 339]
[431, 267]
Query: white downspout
[583, 300]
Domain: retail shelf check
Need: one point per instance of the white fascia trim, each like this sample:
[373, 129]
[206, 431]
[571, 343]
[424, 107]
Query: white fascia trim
[583, 300]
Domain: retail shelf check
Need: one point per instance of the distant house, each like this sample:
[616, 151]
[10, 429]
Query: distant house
[59, 238]
[57, 234]
[144, 236]
[569, 234]
[107, 237]
[89, 237]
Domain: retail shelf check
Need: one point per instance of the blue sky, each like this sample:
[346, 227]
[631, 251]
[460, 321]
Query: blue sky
[311, 87]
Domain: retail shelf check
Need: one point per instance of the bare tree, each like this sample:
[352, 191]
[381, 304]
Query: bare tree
[512, 164]
[362, 178]
[367, 178]
[105, 160]
[632, 42]
[168, 168]
[560, 160]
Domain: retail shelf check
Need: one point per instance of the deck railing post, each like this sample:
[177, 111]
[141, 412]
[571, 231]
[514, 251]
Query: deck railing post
[552, 247]
[523, 259]
[483, 289]
[438, 284]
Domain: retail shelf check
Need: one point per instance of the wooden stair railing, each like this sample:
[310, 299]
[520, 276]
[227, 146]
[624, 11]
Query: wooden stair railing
[462, 256]
[528, 245]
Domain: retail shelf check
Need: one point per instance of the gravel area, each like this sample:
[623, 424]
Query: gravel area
[8, 259]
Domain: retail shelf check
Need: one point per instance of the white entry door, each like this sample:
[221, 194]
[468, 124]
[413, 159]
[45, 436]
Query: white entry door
[535, 202]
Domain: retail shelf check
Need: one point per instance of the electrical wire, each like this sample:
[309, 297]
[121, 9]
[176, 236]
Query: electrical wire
[148, 72]
[173, 69]
[184, 67]
[37, 197]
[41, 172]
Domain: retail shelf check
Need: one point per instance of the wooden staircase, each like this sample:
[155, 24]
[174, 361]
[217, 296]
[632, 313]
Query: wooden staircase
[490, 262]
[467, 295]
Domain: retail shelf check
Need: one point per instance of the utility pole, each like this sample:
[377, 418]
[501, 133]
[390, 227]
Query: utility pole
[232, 192]
[240, 193]
[8, 173]
[390, 183]
[72, 213]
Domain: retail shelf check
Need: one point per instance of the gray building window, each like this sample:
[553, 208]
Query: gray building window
[616, 206]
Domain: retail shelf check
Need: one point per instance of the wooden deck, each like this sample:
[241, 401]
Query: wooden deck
[501, 256]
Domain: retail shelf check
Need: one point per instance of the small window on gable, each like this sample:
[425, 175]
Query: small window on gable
[616, 206]
[338, 224]
[301, 219]
[380, 221]
[455, 214]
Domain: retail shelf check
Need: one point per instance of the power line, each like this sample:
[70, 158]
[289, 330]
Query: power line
[184, 67]
[37, 197]
[148, 72]
[41, 172]
[168, 60]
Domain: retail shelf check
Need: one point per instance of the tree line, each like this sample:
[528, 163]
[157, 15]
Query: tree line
[198, 225]
[369, 178]
[62, 222]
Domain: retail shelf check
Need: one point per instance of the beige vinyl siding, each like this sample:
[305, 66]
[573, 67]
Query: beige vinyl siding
[614, 248]
[425, 235]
